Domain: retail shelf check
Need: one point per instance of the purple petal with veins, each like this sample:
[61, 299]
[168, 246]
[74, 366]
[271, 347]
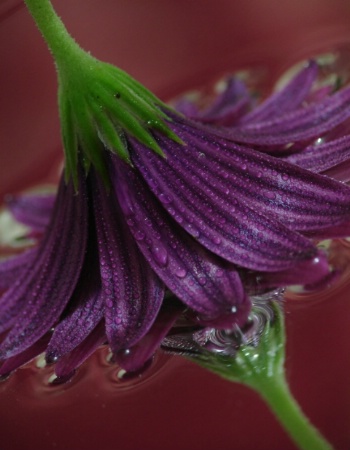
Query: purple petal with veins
[35, 302]
[202, 281]
[304, 123]
[131, 291]
[32, 210]
[320, 158]
[85, 310]
[231, 174]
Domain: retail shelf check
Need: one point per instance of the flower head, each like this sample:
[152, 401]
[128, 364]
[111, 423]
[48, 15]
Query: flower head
[209, 221]
[160, 214]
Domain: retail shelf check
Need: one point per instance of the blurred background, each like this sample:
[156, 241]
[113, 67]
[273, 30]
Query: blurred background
[169, 45]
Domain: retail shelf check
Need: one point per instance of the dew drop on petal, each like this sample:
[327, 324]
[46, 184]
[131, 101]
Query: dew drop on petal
[139, 235]
[160, 255]
[180, 272]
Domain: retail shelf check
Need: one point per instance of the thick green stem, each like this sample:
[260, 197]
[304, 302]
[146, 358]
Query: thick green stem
[277, 395]
[62, 46]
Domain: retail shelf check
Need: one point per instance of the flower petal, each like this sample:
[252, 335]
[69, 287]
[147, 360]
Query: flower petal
[131, 291]
[304, 123]
[35, 302]
[85, 310]
[319, 158]
[202, 281]
[299, 199]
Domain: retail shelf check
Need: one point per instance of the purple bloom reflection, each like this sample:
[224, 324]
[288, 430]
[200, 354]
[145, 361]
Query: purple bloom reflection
[235, 210]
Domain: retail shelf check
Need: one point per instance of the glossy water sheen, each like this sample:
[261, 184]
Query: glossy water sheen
[177, 405]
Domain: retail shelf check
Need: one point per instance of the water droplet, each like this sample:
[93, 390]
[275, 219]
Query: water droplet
[180, 272]
[160, 255]
[217, 240]
[139, 235]
[165, 199]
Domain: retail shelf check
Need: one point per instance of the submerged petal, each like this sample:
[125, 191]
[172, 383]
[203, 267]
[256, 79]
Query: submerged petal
[36, 300]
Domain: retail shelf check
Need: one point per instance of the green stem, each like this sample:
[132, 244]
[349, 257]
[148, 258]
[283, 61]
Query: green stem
[277, 395]
[62, 46]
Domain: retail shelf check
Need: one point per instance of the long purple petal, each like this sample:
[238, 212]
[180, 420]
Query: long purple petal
[86, 308]
[131, 291]
[319, 158]
[35, 302]
[202, 281]
[304, 123]
[299, 199]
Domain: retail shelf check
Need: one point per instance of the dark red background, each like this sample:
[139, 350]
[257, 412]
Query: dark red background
[169, 45]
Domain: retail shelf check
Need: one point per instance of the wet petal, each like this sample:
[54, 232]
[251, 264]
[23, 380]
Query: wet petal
[35, 302]
[202, 281]
[299, 199]
[85, 311]
[131, 291]
[319, 158]
[304, 123]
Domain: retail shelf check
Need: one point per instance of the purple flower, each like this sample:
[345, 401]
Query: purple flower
[234, 208]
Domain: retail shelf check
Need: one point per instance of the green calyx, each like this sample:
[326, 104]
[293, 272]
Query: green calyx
[261, 367]
[99, 104]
